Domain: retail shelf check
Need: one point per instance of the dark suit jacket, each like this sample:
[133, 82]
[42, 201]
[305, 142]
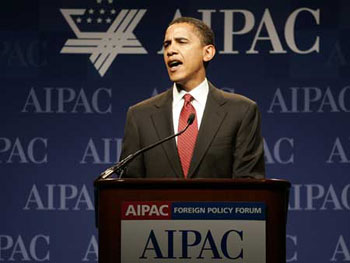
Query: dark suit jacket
[229, 143]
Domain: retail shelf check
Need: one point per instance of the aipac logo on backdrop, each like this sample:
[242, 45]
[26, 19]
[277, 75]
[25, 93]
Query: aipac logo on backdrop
[103, 33]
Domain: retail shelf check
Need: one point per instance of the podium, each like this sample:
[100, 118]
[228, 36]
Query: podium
[121, 203]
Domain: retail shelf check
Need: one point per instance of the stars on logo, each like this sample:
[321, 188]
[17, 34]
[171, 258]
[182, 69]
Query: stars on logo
[101, 16]
[100, 1]
[97, 15]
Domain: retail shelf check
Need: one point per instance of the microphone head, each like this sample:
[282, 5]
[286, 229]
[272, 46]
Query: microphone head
[191, 118]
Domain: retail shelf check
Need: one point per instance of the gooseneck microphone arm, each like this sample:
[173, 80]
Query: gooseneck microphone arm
[119, 168]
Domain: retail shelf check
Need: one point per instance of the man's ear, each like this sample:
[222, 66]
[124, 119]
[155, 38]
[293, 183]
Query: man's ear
[208, 52]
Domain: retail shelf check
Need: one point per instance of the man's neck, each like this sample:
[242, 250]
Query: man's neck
[180, 88]
[190, 85]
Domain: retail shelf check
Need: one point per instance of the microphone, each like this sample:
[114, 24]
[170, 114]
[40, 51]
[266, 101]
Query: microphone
[119, 168]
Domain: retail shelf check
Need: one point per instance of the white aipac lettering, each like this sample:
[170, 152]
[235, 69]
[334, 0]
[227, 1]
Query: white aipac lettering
[228, 28]
[24, 54]
[151, 210]
[282, 147]
[19, 249]
[91, 253]
[131, 211]
[67, 100]
[33, 247]
[328, 99]
[162, 210]
[59, 197]
[295, 198]
[342, 100]
[17, 151]
[338, 153]
[67, 192]
[272, 35]
[111, 149]
[206, 15]
[289, 31]
[155, 211]
[310, 99]
[316, 192]
[278, 100]
[15, 248]
[83, 199]
[341, 249]
[146, 210]
[34, 197]
[294, 240]
[32, 101]
[332, 199]
[231, 33]
[100, 106]
[319, 197]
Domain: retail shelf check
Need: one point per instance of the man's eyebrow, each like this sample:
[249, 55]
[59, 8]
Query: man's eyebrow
[167, 41]
[181, 38]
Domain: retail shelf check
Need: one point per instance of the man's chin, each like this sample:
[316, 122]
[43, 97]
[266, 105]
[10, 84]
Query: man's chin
[176, 79]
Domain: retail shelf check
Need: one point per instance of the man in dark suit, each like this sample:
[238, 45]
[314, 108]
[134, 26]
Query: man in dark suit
[225, 139]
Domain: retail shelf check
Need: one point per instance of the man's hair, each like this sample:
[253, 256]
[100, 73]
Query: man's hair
[204, 32]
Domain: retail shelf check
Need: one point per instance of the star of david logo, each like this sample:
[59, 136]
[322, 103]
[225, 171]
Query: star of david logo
[103, 33]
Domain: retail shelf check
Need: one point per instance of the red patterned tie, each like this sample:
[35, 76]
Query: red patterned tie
[187, 140]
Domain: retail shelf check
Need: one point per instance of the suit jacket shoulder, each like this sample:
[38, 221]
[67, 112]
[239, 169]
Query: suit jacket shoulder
[162, 99]
[232, 102]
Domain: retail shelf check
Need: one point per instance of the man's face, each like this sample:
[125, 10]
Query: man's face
[184, 54]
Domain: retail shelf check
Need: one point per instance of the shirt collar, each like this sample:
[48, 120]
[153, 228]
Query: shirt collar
[199, 93]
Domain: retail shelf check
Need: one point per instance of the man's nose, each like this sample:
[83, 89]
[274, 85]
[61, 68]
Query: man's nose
[171, 50]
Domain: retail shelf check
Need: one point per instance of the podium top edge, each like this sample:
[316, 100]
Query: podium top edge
[192, 183]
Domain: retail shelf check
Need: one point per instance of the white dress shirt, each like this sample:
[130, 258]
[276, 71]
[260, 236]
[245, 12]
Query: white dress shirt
[199, 94]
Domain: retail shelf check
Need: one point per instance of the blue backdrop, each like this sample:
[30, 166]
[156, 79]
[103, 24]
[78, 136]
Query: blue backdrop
[70, 69]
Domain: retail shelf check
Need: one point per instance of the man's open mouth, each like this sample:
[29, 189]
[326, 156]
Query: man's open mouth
[174, 64]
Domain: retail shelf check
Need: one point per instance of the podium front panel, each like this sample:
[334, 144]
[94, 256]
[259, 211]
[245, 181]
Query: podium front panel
[114, 195]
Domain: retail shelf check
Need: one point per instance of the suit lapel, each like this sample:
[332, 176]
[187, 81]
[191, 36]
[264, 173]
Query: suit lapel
[163, 123]
[212, 119]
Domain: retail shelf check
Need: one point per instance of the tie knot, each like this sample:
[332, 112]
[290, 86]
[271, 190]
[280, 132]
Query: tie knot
[188, 98]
